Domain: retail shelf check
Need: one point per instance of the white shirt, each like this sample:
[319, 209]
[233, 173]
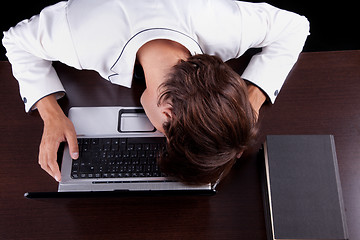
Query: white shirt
[105, 36]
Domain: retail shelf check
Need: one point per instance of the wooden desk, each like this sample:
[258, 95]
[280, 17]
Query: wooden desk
[321, 96]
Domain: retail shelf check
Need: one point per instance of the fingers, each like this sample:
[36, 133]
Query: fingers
[48, 159]
[54, 167]
[73, 144]
[55, 132]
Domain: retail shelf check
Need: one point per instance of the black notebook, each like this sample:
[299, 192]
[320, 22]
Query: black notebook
[302, 189]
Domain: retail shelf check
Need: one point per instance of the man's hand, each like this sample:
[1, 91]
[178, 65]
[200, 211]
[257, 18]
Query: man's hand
[57, 128]
[256, 98]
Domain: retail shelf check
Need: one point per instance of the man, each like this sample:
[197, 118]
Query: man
[205, 110]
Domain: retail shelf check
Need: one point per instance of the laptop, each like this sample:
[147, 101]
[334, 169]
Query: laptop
[118, 147]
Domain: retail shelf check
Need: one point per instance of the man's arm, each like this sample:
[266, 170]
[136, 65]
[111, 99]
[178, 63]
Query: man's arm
[57, 128]
[280, 34]
[32, 45]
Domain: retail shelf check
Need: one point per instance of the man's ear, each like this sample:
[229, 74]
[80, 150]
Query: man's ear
[166, 109]
[239, 154]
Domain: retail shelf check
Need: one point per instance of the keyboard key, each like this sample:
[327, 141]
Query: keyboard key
[135, 161]
[95, 141]
[133, 154]
[143, 161]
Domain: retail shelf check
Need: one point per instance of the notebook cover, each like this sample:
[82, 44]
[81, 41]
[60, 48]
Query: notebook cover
[304, 199]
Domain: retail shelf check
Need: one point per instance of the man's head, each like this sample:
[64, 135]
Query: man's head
[209, 121]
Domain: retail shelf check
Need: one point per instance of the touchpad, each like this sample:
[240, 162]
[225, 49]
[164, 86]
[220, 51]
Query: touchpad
[134, 120]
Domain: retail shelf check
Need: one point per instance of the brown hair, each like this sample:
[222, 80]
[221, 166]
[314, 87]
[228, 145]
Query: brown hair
[211, 122]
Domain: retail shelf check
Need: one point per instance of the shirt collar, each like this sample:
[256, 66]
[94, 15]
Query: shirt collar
[123, 67]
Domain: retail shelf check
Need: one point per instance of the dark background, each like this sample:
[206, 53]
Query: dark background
[333, 24]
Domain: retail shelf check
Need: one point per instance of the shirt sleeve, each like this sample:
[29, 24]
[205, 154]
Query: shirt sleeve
[31, 47]
[281, 35]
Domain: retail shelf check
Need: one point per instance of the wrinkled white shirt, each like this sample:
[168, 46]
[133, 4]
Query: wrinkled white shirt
[105, 36]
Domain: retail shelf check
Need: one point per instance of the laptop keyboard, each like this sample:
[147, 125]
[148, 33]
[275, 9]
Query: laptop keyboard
[117, 158]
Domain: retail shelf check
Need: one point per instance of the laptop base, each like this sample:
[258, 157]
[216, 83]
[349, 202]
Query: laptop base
[156, 193]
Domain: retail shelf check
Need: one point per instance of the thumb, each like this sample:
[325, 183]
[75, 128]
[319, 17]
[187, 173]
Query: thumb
[73, 145]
